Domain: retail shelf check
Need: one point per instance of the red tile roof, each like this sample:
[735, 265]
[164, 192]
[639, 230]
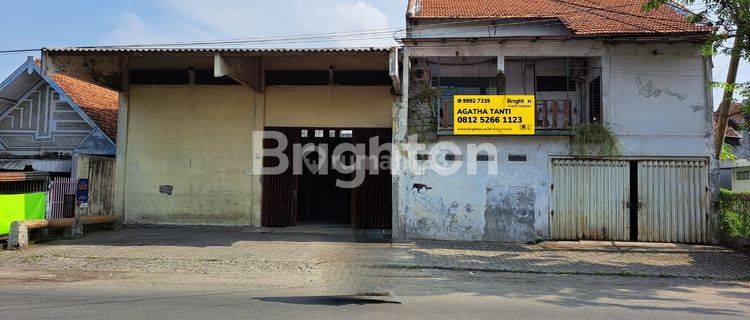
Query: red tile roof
[735, 114]
[583, 17]
[731, 133]
[99, 103]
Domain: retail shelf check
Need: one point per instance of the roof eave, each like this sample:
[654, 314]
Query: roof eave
[179, 51]
[29, 65]
[613, 37]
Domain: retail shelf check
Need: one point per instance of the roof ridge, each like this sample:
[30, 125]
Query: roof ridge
[583, 17]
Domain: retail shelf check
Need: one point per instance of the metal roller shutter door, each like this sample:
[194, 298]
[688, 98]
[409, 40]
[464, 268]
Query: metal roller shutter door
[673, 201]
[590, 200]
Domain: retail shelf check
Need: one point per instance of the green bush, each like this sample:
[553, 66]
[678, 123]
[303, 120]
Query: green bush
[735, 214]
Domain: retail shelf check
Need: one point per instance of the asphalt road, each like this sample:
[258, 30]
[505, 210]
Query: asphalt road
[417, 294]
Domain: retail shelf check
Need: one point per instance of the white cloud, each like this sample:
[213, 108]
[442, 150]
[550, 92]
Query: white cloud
[135, 30]
[231, 19]
[353, 16]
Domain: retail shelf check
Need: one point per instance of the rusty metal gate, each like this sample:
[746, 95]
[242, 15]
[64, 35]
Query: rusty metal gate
[590, 200]
[371, 202]
[279, 191]
[673, 201]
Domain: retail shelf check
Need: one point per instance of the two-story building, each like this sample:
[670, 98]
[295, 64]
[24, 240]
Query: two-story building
[602, 68]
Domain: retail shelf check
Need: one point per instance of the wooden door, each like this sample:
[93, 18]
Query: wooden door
[371, 201]
[279, 207]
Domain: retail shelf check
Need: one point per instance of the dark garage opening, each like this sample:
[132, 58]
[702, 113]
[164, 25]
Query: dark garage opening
[319, 200]
[633, 205]
[314, 198]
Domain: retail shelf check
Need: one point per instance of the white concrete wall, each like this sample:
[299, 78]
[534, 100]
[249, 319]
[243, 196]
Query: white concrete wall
[659, 104]
[512, 27]
[740, 185]
[664, 114]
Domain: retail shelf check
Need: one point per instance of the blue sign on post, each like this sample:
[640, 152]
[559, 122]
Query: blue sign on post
[82, 193]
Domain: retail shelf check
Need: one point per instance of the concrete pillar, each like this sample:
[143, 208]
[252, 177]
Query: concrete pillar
[257, 159]
[18, 237]
[122, 139]
[399, 154]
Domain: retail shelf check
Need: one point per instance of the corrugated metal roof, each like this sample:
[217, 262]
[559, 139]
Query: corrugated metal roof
[216, 50]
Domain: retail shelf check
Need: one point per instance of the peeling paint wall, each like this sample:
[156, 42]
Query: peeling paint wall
[511, 206]
[102, 70]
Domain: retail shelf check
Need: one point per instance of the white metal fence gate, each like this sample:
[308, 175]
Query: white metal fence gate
[590, 200]
[673, 201]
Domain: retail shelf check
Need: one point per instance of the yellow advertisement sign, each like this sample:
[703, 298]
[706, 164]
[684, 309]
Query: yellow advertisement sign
[494, 114]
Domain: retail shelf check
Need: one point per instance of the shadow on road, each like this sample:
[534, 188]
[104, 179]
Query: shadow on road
[328, 300]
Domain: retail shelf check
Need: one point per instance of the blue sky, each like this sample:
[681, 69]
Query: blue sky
[49, 23]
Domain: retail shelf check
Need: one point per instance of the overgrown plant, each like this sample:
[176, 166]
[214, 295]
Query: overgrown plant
[423, 112]
[594, 139]
[726, 153]
[428, 95]
[735, 214]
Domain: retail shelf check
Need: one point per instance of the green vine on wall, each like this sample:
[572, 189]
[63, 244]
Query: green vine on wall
[428, 94]
[594, 139]
[423, 113]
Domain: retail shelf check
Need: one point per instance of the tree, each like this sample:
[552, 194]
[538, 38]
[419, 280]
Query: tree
[726, 153]
[731, 22]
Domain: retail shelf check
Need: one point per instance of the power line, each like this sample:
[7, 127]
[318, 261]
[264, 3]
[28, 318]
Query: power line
[604, 16]
[368, 34]
[18, 50]
[609, 10]
[310, 38]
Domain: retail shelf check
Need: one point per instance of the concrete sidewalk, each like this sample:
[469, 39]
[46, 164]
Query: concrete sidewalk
[208, 250]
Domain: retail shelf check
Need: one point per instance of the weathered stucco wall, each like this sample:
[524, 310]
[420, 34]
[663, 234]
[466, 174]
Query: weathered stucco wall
[189, 155]
[659, 103]
[654, 97]
[510, 206]
[102, 70]
[329, 106]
